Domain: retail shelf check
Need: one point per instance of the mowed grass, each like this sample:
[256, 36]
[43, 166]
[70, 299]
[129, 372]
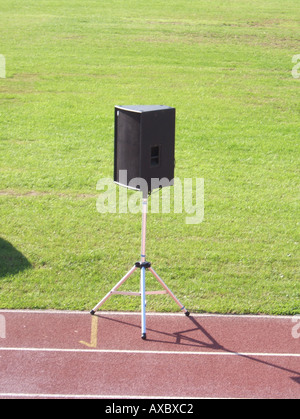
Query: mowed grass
[226, 68]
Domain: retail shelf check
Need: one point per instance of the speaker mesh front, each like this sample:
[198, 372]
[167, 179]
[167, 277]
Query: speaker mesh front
[127, 144]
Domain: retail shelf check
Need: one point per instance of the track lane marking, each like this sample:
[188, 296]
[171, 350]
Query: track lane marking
[150, 313]
[151, 352]
[94, 334]
[98, 396]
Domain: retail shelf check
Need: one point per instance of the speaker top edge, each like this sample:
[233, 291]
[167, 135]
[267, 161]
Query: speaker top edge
[143, 108]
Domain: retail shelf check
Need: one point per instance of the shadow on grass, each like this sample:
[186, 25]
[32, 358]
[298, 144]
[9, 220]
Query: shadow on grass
[11, 260]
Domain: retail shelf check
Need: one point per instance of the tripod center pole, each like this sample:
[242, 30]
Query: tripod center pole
[144, 221]
[143, 269]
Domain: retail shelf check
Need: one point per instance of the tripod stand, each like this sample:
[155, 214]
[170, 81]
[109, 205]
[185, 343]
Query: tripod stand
[142, 265]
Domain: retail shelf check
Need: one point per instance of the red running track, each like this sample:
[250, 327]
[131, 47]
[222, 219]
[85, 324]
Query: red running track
[58, 354]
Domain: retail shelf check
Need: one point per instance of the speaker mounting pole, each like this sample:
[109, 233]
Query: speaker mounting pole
[143, 265]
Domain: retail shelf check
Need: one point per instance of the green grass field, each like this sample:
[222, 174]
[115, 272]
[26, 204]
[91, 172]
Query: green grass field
[226, 68]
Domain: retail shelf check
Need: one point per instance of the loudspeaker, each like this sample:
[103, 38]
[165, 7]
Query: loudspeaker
[144, 146]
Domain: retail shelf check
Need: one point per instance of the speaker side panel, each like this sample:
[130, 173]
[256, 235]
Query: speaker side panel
[158, 145]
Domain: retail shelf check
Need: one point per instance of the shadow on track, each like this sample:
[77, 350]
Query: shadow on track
[182, 339]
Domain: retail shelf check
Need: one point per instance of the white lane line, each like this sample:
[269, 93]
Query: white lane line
[132, 313]
[149, 352]
[93, 396]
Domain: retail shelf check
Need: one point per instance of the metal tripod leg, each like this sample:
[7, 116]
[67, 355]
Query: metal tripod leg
[112, 291]
[187, 313]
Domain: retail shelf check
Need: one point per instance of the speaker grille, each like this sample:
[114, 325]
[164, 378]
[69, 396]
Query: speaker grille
[127, 147]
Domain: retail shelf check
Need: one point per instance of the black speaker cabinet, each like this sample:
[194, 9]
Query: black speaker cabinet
[144, 146]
